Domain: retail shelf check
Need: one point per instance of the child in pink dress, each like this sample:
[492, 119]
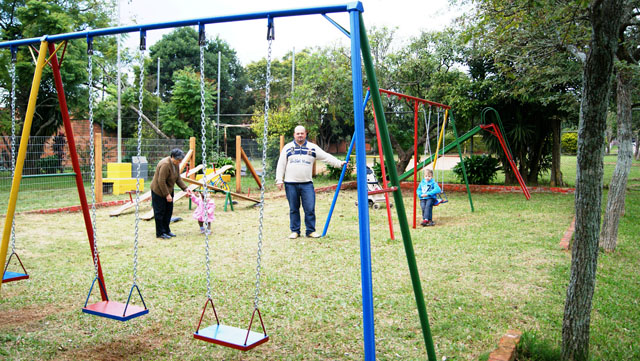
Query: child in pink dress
[199, 215]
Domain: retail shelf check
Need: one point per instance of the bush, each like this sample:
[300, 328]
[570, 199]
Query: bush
[219, 160]
[481, 169]
[335, 172]
[569, 143]
[50, 164]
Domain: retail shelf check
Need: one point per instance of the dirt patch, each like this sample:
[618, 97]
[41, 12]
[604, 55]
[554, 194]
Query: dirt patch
[26, 316]
[127, 348]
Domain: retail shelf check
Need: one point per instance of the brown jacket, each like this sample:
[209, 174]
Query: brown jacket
[166, 176]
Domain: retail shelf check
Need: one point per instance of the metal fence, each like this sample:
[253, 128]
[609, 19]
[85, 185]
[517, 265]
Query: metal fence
[48, 179]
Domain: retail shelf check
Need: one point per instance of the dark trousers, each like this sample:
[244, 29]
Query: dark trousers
[427, 208]
[162, 211]
[301, 193]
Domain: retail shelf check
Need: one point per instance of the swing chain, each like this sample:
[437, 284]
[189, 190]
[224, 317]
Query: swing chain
[92, 166]
[204, 167]
[13, 144]
[140, 104]
[265, 132]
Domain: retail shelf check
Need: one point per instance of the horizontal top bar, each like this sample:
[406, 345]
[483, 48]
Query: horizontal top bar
[354, 6]
[420, 100]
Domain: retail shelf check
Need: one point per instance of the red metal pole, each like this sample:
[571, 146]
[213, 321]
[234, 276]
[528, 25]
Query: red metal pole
[55, 66]
[415, 158]
[384, 178]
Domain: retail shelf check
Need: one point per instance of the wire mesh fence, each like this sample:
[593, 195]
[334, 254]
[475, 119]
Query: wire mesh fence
[48, 179]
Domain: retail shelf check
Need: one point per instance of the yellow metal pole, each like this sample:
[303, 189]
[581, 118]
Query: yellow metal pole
[444, 122]
[22, 153]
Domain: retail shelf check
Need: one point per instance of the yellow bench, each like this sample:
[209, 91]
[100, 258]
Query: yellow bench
[119, 175]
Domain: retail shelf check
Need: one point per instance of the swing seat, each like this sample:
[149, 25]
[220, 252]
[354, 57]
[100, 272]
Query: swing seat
[231, 337]
[442, 198]
[13, 276]
[10, 276]
[112, 309]
[115, 310]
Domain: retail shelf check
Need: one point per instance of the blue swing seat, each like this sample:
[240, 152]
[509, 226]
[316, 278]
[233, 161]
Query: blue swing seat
[9, 276]
[231, 337]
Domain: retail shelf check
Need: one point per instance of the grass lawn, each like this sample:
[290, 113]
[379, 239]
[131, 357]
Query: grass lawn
[482, 273]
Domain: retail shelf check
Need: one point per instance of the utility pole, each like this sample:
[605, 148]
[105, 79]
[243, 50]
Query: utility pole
[218, 115]
[158, 94]
[119, 146]
[293, 68]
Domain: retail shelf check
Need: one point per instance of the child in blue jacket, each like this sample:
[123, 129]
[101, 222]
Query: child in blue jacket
[427, 192]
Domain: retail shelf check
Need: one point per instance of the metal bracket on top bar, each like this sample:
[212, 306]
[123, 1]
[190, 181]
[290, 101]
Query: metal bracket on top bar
[89, 45]
[202, 39]
[143, 39]
[271, 34]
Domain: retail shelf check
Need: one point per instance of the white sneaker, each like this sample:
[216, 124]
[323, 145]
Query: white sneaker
[294, 235]
[314, 235]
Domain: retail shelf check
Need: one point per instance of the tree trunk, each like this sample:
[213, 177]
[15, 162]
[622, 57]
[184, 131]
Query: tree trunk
[556, 173]
[618, 186]
[605, 19]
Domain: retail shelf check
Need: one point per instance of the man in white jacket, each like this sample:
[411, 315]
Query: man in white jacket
[294, 171]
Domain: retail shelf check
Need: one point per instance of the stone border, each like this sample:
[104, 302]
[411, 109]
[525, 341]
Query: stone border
[77, 208]
[565, 242]
[506, 350]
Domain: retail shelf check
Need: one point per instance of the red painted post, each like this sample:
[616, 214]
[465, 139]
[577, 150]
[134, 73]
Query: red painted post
[55, 66]
[384, 177]
[415, 158]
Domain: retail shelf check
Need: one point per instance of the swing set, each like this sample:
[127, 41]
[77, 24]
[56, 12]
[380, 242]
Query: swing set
[242, 339]
[11, 276]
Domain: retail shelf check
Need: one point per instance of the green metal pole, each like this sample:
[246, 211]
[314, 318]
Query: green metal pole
[397, 194]
[464, 170]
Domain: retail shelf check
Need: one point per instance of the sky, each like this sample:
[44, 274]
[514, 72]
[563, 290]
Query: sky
[248, 38]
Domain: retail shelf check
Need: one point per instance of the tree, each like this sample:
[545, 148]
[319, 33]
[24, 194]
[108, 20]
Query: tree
[605, 18]
[522, 50]
[628, 55]
[181, 117]
[618, 185]
[425, 68]
[35, 18]
[179, 50]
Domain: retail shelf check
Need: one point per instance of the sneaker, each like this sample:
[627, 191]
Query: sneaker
[431, 223]
[164, 236]
[294, 235]
[424, 222]
[313, 235]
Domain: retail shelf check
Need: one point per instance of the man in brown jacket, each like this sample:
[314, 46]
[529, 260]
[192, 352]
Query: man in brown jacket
[166, 176]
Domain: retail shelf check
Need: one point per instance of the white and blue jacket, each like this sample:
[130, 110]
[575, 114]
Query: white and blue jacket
[431, 188]
[296, 162]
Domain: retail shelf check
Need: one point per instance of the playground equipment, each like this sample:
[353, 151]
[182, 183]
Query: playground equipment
[370, 190]
[10, 276]
[219, 333]
[495, 129]
[441, 197]
[106, 308]
[360, 54]
[241, 156]
[417, 102]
